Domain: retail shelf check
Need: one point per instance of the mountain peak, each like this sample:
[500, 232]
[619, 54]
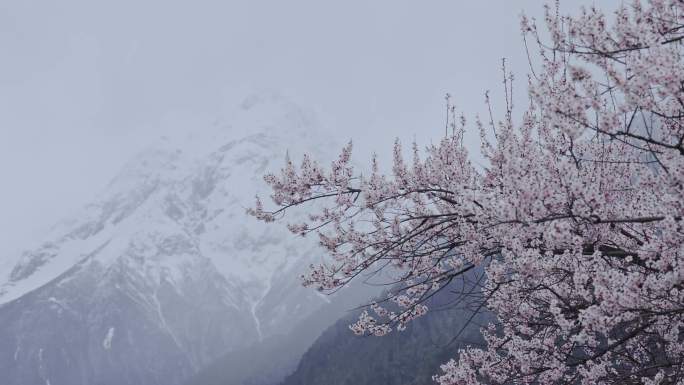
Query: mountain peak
[196, 187]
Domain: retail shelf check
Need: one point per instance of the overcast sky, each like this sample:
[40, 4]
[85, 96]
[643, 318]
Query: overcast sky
[84, 84]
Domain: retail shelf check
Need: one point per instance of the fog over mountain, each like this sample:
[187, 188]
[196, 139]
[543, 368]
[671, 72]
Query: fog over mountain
[85, 84]
[164, 272]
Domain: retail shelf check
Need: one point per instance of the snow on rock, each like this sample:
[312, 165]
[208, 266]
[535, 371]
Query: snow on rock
[107, 342]
[196, 187]
[166, 241]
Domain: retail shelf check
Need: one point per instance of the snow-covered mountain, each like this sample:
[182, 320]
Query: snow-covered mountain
[164, 272]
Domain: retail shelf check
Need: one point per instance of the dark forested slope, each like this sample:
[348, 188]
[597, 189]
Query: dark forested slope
[409, 357]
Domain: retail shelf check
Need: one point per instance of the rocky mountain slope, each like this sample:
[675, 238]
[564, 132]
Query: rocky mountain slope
[164, 273]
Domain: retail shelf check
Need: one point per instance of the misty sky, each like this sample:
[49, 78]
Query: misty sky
[84, 84]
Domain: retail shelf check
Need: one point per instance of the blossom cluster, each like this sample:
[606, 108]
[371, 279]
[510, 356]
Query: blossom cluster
[576, 218]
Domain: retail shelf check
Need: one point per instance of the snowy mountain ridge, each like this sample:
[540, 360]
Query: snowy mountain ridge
[189, 185]
[165, 272]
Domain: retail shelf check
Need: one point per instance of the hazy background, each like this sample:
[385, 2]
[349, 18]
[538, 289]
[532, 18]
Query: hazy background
[85, 84]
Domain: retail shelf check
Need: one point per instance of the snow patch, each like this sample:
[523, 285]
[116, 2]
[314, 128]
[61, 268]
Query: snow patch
[41, 367]
[254, 307]
[162, 321]
[107, 343]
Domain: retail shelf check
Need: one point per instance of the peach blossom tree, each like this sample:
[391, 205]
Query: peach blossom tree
[576, 219]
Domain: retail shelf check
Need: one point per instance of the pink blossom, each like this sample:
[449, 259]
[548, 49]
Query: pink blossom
[576, 218]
